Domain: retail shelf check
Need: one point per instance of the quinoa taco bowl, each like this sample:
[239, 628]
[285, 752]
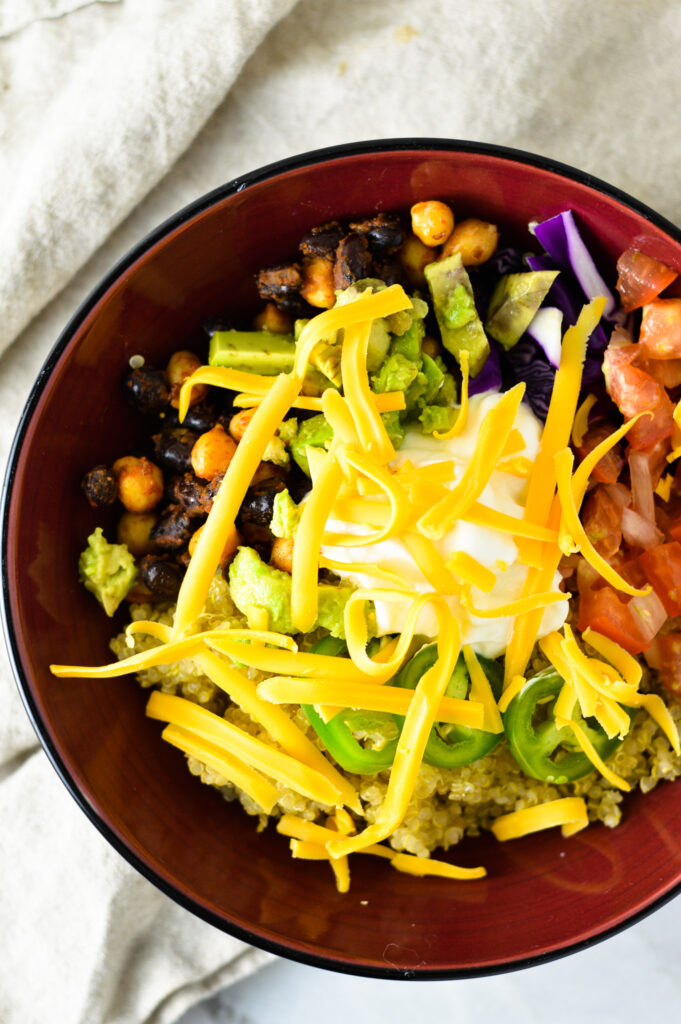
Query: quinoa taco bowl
[387, 535]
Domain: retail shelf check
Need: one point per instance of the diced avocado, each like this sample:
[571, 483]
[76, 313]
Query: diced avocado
[395, 429]
[459, 309]
[437, 417]
[285, 515]
[254, 351]
[434, 377]
[314, 433]
[410, 341]
[448, 393]
[253, 584]
[396, 374]
[514, 302]
[415, 395]
[326, 359]
[454, 304]
[399, 323]
[107, 570]
[379, 335]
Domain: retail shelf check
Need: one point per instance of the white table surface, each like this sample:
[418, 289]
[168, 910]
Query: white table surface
[631, 974]
[622, 979]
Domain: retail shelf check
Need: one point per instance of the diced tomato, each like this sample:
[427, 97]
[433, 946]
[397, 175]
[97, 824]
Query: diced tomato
[626, 564]
[607, 469]
[675, 530]
[604, 611]
[641, 278]
[666, 372]
[633, 391]
[662, 566]
[660, 336]
[601, 518]
[669, 655]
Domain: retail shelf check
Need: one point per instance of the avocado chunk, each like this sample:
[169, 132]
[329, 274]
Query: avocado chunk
[254, 351]
[285, 515]
[514, 303]
[107, 570]
[312, 433]
[254, 584]
[379, 335]
[454, 306]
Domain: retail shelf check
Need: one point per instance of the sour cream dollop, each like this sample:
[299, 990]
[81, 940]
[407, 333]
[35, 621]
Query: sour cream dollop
[498, 551]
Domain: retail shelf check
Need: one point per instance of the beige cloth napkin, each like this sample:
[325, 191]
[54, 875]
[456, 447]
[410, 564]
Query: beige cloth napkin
[96, 103]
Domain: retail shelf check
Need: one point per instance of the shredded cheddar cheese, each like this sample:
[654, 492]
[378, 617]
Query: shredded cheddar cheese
[264, 758]
[356, 481]
[581, 423]
[494, 431]
[229, 767]
[368, 697]
[459, 424]
[568, 812]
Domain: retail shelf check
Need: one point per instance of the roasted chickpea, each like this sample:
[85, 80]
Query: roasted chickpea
[239, 422]
[318, 285]
[273, 320]
[476, 241]
[212, 452]
[282, 554]
[134, 529]
[431, 347]
[139, 483]
[182, 365]
[229, 550]
[415, 257]
[432, 222]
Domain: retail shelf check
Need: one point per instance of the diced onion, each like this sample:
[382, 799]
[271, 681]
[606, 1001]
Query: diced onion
[638, 531]
[641, 485]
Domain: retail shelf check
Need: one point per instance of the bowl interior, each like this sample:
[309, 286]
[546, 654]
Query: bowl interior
[542, 894]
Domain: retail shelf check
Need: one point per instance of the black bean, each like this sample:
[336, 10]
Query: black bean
[201, 417]
[191, 494]
[173, 529]
[281, 285]
[148, 390]
[385, 239]
[173, 449]
[384, 233]
[161, 576]
[297, 482]
[100, 486]
[353, 260]
[389, 271]
[322, 241]
[255, 514]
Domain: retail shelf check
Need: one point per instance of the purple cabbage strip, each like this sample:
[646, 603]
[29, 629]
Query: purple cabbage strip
[563, 294]
[546, 328]
[489, 378]
[527, 362]
[561, 238]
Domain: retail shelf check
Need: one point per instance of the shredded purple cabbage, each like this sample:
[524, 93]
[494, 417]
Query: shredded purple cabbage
[526, 362]
[489, 378]
[564, 293]
[561, 238]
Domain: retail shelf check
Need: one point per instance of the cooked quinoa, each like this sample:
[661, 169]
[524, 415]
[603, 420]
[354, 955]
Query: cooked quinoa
[447, 804]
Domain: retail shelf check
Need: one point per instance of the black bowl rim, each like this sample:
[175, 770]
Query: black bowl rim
[194, 208]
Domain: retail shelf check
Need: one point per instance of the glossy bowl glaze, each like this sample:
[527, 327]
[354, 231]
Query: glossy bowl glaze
[543, 895]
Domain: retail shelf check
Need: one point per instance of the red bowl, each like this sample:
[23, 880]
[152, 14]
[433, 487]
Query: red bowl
[543, 895]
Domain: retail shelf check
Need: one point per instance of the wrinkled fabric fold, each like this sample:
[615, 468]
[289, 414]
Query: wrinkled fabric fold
[122, 90]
